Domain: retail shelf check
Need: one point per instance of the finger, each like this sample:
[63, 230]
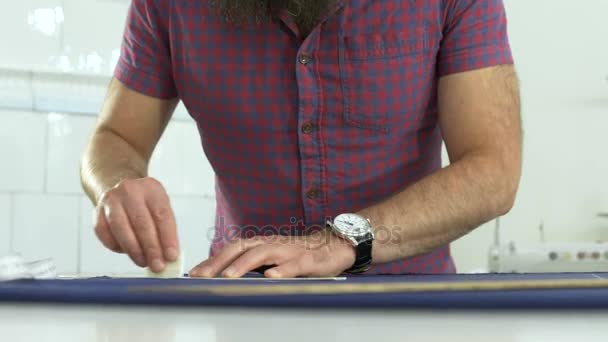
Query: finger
[163, 218]
[263, 255]
[290, 269]
[213, 266]
[102, 230]
[123, 233]
[304, 265]
[200, 265]
[145, 232]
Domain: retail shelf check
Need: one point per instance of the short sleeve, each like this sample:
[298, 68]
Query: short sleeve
[145, 59]
[475, 36]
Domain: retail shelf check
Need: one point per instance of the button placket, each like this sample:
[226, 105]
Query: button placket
[304, 59]
[312, 194]
[310, 155]
[308, 128]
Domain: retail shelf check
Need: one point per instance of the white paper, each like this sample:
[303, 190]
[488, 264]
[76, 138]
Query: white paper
[15, 267]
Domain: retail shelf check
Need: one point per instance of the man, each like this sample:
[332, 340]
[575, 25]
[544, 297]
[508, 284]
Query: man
[323, 121]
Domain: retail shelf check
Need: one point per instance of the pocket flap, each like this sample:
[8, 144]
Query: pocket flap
[387, 45]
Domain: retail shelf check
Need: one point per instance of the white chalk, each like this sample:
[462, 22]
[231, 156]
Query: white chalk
[172, 270]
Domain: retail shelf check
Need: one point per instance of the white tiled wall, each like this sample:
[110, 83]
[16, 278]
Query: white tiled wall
[195, 220]
[47, 226]
[5, 224]
[167, 161]
[197, 171]
[62, 35]
[31, 32]
[15, 89]
[42, 203]
[23, 151]
[91, 41]
[55, 220]
[67, 138]
[61, 202]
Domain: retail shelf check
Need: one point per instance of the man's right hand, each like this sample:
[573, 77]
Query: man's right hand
[135, 218]
[134, 214]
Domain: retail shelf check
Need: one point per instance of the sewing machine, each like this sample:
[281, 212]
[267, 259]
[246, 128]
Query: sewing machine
[547, 256]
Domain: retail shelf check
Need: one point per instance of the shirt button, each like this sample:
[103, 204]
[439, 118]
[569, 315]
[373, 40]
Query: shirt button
[312, 194]
[308, 128]
[304, 59]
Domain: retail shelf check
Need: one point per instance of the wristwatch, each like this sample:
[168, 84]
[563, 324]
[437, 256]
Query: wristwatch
[358, 231]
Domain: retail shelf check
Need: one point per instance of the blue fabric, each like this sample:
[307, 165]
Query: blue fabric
[117, 291]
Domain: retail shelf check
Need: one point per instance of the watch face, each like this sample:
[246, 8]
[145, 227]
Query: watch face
[352, 224]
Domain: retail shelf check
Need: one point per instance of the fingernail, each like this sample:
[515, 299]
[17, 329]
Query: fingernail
[157, 265]
[172, 253]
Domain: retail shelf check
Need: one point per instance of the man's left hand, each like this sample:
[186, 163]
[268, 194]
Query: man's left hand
[320, 254]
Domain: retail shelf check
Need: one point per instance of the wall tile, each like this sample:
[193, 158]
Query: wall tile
[179, 162]
[22, 146]
[181, 113]
[67, 138]
[195, 220]
[68, 93]
[5, 224]
[31, 30]
[15, 89]
[471, 252]
[96, 55]
[166, 164]
[47, 226]
[199, 177]
[95, 259]
[578, 65]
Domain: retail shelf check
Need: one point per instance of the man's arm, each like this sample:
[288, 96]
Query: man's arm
[479, 114]
[134, 214]
[128, 129]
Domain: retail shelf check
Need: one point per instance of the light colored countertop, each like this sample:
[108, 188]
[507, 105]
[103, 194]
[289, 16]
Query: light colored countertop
[66, 323]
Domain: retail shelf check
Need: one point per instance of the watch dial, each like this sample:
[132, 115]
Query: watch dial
[352, 224]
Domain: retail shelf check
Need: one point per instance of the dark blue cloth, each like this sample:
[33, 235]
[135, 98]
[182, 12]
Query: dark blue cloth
[120, 291]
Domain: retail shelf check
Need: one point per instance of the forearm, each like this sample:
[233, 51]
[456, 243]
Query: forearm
[442, 207]
[108, 160]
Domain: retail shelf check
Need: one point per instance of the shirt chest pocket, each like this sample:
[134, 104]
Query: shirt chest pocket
[383, 76]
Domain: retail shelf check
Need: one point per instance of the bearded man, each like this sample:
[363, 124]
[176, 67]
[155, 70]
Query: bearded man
[323, 121]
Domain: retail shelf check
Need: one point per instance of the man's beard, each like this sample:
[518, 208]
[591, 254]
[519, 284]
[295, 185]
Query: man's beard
[306, 13]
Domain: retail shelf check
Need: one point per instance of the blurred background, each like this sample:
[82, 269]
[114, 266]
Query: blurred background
[57, 61]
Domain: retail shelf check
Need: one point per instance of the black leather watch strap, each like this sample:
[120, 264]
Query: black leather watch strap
[363, 251]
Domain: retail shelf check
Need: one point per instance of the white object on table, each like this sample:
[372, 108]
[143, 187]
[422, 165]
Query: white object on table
[172, 270]
[16, 267]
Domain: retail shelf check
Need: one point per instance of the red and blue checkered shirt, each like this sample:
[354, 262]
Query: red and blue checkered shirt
[299, 129]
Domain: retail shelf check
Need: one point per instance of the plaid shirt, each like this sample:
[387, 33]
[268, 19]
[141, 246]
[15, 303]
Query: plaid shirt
[299, 129]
